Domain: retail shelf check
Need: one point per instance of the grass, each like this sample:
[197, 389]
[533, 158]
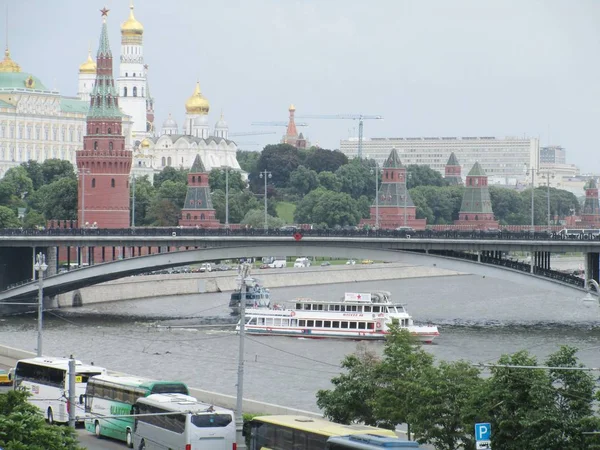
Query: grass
[285, 211]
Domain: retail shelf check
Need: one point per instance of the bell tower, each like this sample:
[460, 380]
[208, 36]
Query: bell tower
[104, 163]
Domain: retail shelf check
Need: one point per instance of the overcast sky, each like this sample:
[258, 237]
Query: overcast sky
[430, 68]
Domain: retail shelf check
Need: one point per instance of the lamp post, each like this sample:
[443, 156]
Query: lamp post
[133, 202]
[244, 271]
[376, 172]
[547, 175]
[532, 170]
[406, 177]
[82, 171]
[589, 300]
[40, 266]
[266, 174]
[226, 197]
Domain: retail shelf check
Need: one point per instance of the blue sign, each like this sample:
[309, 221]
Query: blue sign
[483, 431]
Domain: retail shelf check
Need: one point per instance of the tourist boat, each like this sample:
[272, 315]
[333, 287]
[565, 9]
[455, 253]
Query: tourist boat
[356, 316]
[257, 296]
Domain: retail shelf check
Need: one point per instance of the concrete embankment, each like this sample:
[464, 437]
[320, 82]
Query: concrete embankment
[149, 286]
[9, 357]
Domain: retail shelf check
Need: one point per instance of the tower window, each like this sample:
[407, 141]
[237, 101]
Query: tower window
[163, 161]
[142, 91]
[133, 74]
[109, 131]
[135, 91]
[199, 179]
[125, 91]
[126, 74]
[95, 145]
[110, 145]
[112, 182]
[93, 182]
[169, 161]
[97, 130]
[193, 179]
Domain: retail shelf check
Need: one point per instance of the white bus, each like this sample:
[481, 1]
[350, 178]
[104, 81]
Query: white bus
[169, 421]
[47, 379]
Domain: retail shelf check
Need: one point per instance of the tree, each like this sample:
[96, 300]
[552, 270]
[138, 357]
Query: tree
[144, 194]
[240, 203]
[57, 200]
[57, 169]
[247, 160]
[34, 219]
[35, 172]
[17, 182]
[303, 180]
[22, 427]
[8, 218]
[170, 174]
[217, 180]
[322, 160]
[281, 160]
[357, 179]
[423, 176]
[329, 181]
[327, 207]
[165, 208]
[255, 218]
[351, 399]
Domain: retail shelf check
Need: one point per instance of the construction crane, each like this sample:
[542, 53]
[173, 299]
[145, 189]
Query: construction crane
[359, 117]
[252, 133]
[277, 124]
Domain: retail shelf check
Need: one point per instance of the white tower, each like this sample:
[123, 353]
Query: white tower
[196, 117]
[221, 128]
[87, 78]
[132, 83]
[170, 126]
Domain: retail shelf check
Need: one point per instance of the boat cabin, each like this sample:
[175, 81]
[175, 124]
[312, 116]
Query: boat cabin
[344, 306]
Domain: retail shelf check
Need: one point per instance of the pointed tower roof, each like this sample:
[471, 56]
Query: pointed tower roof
[198, 166]
[453, 160]
[477, 171]
[291, 128]
[104, 47]
[591, 184]
[393, 160]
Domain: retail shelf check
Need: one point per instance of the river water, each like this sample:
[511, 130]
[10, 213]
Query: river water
[480, 319]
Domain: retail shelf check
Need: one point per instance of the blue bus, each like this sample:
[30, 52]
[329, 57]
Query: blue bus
[367, 442]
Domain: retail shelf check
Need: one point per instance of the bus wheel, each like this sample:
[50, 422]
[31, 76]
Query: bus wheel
[129, 439]
[97, 429]
[50, 416]
[142, 445]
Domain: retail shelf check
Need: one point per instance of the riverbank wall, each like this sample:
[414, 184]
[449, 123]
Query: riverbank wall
[9, 357]
[149, 286]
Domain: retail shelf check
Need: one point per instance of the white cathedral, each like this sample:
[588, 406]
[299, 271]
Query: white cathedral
[153, 152]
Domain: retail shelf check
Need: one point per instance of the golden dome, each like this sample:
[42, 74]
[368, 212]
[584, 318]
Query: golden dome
[292, 107]
[145, 143]
[89, 66]
[197, 104]
[8, 65]
[131, 27]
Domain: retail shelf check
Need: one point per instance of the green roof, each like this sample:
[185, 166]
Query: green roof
[4, 104]
[17, 80]
[591, 184]
[393, 160]
[392, 194]
[197, 167]
[477, 171]
[74, 105]
[452, 161]
[198, 198]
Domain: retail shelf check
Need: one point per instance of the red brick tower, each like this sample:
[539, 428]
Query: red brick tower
[104, 163]
[197, 209]
[590, 216]
[452, 171]
[476, 208]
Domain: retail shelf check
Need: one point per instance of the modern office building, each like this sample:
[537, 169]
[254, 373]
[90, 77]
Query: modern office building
[503, 159]
[554, 154]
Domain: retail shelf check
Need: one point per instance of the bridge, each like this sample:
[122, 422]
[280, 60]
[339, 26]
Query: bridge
[155, 248]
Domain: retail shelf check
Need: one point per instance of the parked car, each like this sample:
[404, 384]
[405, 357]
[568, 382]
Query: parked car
[302, 262]
[325, 264]
[350, 262]
[5, 378]
[406, 229]
[264, 266]
[289, 228]
[367, 261]
[206, 267]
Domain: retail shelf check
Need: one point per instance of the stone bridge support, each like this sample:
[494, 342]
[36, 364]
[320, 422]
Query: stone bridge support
[592, 266]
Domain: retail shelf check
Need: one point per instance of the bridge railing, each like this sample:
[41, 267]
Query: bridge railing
[492, 234]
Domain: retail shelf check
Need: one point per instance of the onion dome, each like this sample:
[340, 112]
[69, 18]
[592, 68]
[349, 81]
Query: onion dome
[170, 123]
[292, 108]
[89, 66]
[131, 27]
[201, 121]
[8, 65]
[221, 124]
[145, 143]
[197, 104]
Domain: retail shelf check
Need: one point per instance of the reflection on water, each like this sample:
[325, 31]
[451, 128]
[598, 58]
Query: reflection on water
[480, 318]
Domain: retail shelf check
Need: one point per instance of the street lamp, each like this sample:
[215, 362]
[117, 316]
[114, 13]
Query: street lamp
[40, 266]
[244, 271]
[82, 171]
[133, 201]
[226, 169]
[532, 170]
[406, 177]
[266, 174]
[547, 175]
[376, 172]
[589, 300]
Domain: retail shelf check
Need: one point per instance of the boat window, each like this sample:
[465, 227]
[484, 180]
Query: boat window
[319, 324]
[362, 325]
[277, 322]
[307, 306]
[353, 325]
[385, 309]
[342, 307]
[262, 321]
[320, 307]
[302, 323]
[336, 324]
[337, 307]
[370, 326]
[344, 324]
[269, 321]
[376, 309]
[310, 323]
[298, 305]
[327, 324]
[367, 308]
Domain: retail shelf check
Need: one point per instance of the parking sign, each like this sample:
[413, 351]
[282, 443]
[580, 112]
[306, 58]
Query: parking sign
[483, 431]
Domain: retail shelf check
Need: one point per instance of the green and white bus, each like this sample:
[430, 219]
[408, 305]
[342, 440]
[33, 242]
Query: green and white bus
[115, 395]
